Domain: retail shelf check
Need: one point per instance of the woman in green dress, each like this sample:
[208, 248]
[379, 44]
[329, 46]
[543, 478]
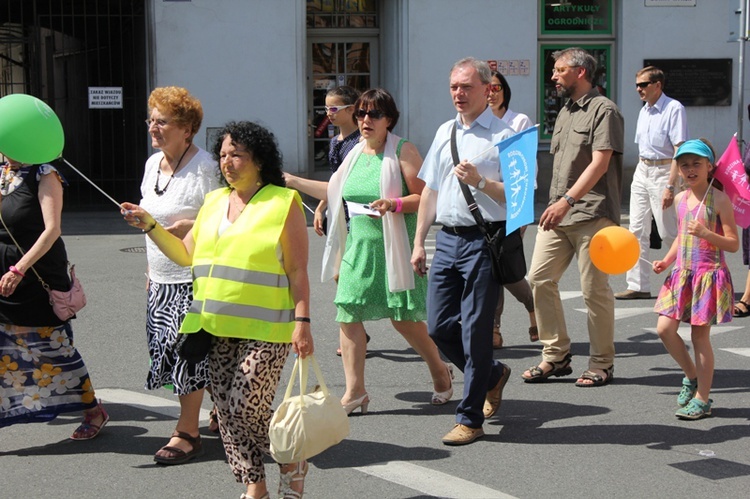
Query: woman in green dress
[376, 280]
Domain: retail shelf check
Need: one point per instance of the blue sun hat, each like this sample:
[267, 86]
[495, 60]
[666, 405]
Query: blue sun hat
[697, 147]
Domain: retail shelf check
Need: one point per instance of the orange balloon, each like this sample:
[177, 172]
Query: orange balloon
[614, 250]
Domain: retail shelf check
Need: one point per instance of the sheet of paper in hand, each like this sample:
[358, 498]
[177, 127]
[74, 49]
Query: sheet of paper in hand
[361, 209]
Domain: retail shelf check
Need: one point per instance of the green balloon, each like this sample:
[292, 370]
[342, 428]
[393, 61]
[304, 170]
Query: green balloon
[30, 131]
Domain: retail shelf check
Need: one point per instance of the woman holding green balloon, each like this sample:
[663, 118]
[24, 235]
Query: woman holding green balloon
[43, 375]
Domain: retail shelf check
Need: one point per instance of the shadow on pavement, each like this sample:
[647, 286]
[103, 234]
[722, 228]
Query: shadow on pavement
[352, 453]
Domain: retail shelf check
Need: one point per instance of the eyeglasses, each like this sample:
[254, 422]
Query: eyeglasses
[562, 69]
[495, 87]
[372, 113]
[336, 109]
[159, 123]
[643, 84]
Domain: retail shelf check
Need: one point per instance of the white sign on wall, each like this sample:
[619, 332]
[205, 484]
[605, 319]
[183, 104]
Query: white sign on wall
[513, 67]
[105, 97]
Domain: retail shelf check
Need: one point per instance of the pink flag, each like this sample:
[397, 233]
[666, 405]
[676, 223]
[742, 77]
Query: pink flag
[730, 171]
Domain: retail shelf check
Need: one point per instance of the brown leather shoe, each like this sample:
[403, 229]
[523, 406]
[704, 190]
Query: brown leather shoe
[633, 295]
[462, 435]
[497, 338]
[495, 396]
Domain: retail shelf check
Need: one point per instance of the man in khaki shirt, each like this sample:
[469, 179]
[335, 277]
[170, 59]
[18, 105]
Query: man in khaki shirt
[587, 144]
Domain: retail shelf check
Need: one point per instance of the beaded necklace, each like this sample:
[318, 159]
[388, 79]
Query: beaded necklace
[158, 191]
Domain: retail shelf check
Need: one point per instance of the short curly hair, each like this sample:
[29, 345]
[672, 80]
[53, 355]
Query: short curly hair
[260, 143]
[186, 110]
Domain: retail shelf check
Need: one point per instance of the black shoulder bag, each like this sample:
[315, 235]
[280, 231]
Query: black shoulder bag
[508, 260]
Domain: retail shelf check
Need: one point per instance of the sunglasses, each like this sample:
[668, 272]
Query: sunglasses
[643, 84]
[375, 114]
[336, 109]
[495, 87]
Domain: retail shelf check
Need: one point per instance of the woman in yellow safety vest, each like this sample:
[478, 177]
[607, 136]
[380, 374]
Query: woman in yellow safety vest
[248, 254]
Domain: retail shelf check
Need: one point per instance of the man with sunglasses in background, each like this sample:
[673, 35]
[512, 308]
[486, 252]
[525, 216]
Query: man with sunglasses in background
[661, 128]
[461, 293]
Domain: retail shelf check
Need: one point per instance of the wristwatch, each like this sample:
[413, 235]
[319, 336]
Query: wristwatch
[670, 188]
[482, 183]
[569, 200]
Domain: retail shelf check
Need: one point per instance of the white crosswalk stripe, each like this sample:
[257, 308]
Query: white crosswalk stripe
[430, 482]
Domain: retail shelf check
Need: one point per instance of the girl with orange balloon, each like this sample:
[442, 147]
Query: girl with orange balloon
[699, 289]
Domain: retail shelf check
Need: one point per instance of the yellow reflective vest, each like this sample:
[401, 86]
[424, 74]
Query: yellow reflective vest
[240, 289]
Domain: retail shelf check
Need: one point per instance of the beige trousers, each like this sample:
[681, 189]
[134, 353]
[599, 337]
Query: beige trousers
[553, 252]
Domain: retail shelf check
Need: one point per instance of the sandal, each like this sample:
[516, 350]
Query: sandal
[561, 368]
[338, 350]
[696, 409]
[179, 456]
[286, 479]
[88, 430]
[533, 334]
[213, 421]
[738, 312]
[689, 387]
[596, 379]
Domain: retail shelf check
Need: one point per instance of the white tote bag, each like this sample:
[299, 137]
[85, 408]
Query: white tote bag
[305, 425]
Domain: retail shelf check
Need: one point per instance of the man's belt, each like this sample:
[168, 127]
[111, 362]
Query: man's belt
[468, 229]
[656, 162]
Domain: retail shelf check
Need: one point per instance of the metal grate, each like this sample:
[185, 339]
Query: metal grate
[56, 50]
[134, 249]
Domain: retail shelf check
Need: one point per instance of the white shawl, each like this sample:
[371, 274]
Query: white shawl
[395, 237]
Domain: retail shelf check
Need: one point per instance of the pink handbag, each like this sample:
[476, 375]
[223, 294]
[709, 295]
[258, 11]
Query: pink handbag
[65, 304]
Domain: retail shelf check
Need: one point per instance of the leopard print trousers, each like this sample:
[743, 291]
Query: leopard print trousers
[244, 378]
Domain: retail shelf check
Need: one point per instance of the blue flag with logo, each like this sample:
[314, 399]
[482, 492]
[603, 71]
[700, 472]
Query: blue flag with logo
[518, 164]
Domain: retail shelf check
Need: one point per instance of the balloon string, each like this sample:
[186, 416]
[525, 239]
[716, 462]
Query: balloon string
[92, 183]
[309, 209]
[113, 200]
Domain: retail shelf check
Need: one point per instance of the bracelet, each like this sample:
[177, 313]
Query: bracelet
[390, 204]
[16, 271]
[399, 205]
[302, 319]
[150, 228]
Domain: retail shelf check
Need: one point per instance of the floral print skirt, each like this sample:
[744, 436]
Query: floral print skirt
[41, 374]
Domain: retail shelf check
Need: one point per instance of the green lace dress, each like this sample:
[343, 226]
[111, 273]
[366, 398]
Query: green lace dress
[362, 293]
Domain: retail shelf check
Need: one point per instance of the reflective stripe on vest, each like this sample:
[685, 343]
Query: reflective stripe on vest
[241, 275]
[241, 311]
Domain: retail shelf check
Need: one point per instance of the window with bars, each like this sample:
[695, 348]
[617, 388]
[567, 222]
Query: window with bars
[342, 14]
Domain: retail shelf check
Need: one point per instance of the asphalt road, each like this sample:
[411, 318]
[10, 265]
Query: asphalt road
[548, 440]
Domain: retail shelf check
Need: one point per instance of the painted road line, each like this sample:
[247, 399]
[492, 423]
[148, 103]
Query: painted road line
[159, 405]
[745, 352]
[567, 295]
[430, 482]
[684, 331]
[624, 313]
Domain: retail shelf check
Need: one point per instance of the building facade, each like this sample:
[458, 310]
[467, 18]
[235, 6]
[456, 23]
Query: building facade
[273, 60]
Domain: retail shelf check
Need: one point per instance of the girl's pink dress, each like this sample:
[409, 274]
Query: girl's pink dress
[699, 290]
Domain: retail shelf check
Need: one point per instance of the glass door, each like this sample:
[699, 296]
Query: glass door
[333, 62]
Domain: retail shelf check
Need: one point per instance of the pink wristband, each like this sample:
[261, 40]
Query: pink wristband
[399, 205]
[16, 271]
